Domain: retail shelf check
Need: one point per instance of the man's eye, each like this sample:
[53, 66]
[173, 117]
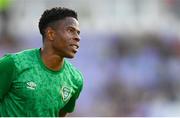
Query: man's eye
[70, 30]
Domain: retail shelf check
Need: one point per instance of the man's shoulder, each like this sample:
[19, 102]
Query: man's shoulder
[24, 58]
[72, 68]
[28, 53]
[7, 58]
[25, 52]
[14, 56]
[75, 72]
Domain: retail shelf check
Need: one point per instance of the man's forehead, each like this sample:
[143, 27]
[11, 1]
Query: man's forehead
[69, 21]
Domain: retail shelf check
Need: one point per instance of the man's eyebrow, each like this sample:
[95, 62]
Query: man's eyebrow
[78, 30]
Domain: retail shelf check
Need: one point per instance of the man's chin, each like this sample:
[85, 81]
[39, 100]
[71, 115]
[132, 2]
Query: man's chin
[70, 56]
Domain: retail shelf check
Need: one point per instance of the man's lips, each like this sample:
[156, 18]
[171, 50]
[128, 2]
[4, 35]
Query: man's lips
[75, 46]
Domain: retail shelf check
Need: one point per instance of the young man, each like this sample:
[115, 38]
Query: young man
[40, 82]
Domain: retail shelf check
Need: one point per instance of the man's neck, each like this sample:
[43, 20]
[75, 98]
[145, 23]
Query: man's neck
[51, 61]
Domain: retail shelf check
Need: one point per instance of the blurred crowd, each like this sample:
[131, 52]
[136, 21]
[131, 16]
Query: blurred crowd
[143, 76]
[126, 74]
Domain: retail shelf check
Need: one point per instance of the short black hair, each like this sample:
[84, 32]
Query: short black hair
[54, 14]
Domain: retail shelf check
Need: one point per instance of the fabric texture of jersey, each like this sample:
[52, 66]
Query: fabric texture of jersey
[29, 88]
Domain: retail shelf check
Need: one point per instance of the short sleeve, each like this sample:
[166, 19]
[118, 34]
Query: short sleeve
[6, 74]
[69, 107]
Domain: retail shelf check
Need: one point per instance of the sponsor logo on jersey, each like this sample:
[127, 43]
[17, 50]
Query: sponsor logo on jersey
[66, 93]
[31, 85]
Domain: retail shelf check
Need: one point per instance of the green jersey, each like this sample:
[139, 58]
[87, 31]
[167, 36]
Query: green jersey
[29, 88]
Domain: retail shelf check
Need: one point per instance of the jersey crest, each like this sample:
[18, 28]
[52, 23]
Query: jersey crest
[66, 93]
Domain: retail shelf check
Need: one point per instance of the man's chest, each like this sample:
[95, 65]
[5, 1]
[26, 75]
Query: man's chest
[44, 89]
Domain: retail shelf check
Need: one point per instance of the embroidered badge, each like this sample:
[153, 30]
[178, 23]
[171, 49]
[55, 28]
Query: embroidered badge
[66, 93]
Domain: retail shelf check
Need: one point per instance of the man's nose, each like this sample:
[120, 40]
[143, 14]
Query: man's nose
[77, 37]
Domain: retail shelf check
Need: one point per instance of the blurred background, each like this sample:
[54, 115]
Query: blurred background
[129, 54]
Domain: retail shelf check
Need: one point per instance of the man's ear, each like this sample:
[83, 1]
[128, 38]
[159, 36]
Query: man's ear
[50, 33]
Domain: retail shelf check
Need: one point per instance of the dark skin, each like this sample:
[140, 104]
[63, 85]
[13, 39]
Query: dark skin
[60, 41]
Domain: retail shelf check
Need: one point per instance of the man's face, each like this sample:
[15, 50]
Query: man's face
[66, 38]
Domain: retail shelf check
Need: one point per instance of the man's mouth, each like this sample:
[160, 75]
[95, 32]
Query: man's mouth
[75, 47]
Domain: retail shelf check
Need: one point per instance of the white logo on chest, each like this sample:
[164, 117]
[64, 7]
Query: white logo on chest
[66, 93]
[31, 85]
